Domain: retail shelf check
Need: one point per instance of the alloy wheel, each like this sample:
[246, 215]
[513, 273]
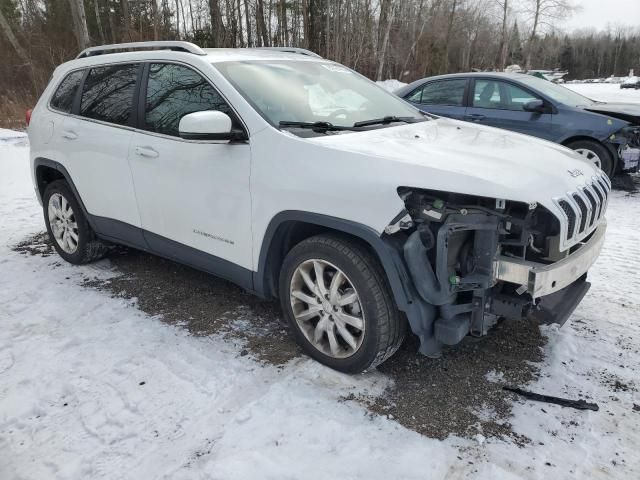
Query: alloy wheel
[327, 308]
[63, 223]
[591, 156]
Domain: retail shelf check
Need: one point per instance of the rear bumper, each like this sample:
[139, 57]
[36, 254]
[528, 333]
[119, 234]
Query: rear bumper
[541, 279]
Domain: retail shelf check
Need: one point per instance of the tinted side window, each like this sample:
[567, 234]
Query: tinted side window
[108, 93]
[174, 91]
[486, 94]
[500, 95]
[63, 97]
[443, 92]
[516, 97]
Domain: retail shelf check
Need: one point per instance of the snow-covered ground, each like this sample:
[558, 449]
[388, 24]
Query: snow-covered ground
[92, 388]
[606, 92]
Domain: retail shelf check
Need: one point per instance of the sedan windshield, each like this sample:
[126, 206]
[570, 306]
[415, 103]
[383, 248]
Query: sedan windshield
[557, 92]
[313, 94]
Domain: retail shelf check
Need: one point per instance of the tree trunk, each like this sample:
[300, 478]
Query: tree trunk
[532, 37]
[79, 23]
[8, 32]
[217, 26]
[99, 22]
[177, 19]
[155, 18]
[240, 32]
[389, 13]
[261, 27]
[447, 40]
[126, 16]
[502, 52]
[247, 19]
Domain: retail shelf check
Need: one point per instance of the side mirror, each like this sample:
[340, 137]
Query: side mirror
[206, 125]
[534, 106]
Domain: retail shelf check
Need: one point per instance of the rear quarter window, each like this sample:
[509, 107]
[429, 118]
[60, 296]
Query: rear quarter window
[64, 95]
[107, 94]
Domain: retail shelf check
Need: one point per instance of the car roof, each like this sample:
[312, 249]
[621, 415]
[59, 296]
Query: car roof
[497, 75]
[215, 55]
[210, 55]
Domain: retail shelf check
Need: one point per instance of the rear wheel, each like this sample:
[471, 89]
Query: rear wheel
[67, 225]
[595, 153]
[337, 302]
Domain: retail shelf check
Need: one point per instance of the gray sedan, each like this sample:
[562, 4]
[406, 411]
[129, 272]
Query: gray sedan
[608, 134]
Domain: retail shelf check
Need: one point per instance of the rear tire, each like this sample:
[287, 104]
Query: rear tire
[67, 226]
[352, 327]
[595, 153]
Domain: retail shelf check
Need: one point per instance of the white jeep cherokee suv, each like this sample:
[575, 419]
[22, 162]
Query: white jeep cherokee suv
[299, 179]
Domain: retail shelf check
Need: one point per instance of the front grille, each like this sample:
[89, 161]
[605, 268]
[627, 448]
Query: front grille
[583, 208]
[584, 211]
[595, 206]
[571, 216]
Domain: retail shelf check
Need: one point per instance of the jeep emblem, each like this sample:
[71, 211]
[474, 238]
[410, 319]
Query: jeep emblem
[575, 172]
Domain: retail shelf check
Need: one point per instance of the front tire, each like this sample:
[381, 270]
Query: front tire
[67, 225]
[335, 297]
[595, 153]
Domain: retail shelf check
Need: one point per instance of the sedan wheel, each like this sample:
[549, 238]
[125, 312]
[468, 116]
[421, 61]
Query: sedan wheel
[63, 223]
[327, 308]
[591, 156]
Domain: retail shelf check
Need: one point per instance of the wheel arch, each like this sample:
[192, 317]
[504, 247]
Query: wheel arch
[289, 228]
[47, 171]
[608, 146]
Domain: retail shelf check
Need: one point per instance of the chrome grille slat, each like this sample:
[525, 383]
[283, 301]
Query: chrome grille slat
[583, 209]
[595, 205]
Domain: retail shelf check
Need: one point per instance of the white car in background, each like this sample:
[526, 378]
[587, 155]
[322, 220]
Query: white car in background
[299, 179]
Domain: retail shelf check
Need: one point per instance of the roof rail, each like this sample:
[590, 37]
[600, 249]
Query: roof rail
[301, 51]
[157, 45]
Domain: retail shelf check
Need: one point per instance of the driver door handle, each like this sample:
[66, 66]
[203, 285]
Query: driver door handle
[146, 152]
[474, 117]
[69, 134]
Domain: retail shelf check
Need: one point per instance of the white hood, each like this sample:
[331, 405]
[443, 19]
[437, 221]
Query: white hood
[466, 158]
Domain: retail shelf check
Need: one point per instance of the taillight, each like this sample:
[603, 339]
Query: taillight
[27, 116]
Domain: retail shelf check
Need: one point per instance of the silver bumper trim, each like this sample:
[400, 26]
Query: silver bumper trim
[541, 279]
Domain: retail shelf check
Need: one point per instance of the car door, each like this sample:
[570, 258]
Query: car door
[193, 195]
[441, 97]
[500, 104]
[95, 141]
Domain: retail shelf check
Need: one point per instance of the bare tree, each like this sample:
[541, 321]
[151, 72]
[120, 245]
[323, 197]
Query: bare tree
[502, 50]
[218, 29]
[543, 13]
[79, 23]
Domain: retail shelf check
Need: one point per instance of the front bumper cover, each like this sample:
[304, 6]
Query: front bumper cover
[541, 279]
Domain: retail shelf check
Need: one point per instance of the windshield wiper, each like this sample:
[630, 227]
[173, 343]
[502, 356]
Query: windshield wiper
[317, 126]
[385, 120]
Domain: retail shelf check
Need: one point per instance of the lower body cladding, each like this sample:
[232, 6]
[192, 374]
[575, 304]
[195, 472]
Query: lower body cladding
[487, 286]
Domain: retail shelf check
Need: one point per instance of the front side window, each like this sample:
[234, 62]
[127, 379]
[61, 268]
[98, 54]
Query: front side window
[312, 91]
[174, 91]
[108, 93]
[62, 99]
[500, 95]
[443, 92]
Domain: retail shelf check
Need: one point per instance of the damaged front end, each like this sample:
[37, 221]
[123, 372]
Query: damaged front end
[473, 260]
[626, 143]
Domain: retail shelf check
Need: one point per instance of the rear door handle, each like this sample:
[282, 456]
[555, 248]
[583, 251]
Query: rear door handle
[69, 134]
[474, 117]
[146, 152]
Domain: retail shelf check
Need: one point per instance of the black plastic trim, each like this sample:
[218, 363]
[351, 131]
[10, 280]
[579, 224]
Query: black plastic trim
[45, 162]
[389, 256]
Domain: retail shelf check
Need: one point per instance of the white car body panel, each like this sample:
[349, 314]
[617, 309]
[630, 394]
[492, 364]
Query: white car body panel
[195, 193]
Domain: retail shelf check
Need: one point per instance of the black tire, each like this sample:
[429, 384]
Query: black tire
[385, 328]
[88, 248]
[600, 150]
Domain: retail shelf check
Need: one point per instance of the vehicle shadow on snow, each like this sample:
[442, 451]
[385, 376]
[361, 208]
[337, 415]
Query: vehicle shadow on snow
[458, 394]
